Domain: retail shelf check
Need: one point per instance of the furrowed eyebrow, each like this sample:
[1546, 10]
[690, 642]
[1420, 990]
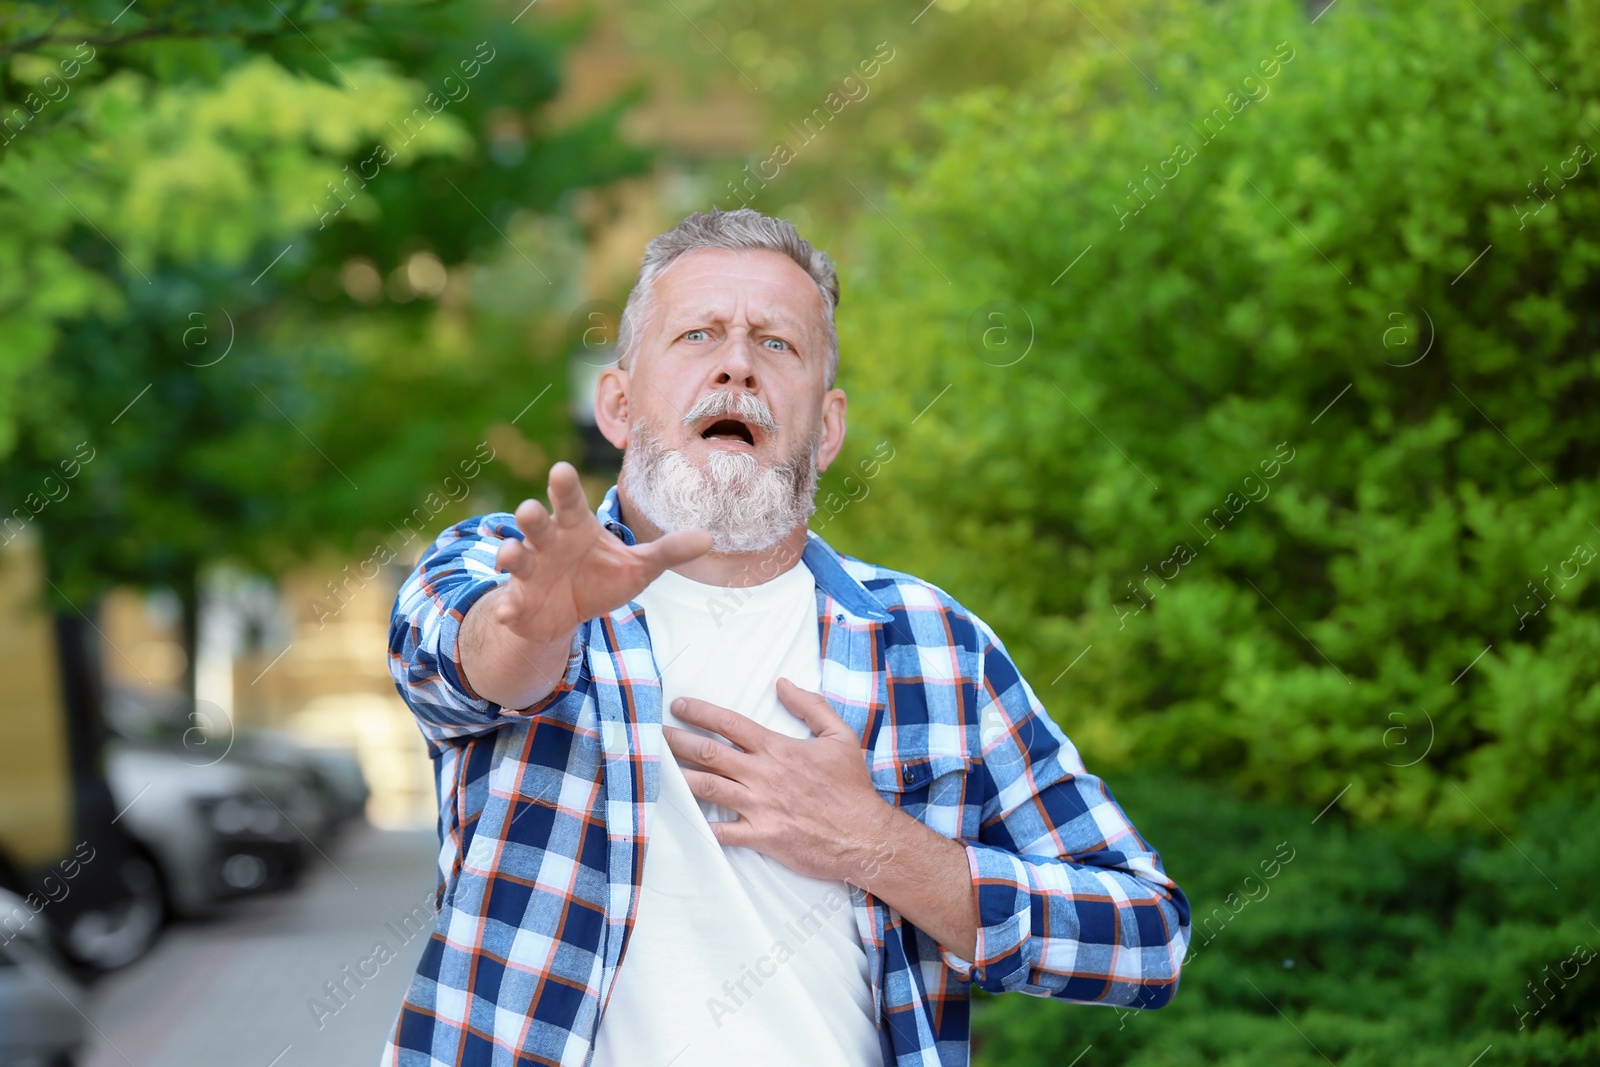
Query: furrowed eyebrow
[682, 320]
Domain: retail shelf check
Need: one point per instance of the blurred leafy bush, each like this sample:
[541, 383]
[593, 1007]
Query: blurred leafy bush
[1376, 945]
[1269, 393]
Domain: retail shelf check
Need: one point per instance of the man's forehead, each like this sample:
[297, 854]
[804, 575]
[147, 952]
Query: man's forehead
[710, 281]
[701, 311]
[762, 307]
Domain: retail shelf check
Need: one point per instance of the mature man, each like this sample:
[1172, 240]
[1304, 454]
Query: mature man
[711, 792]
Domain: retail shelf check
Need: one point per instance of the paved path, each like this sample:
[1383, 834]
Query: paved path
[244, 989]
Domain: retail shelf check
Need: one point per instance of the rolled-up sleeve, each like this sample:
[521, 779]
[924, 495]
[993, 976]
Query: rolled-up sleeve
[425, 630]
[1072, 903]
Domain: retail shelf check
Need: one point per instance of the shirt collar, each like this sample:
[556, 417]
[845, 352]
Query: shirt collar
[827, 566]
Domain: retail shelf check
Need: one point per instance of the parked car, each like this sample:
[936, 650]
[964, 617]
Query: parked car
[217, 830]
[223, 812]
[42, 1023]
[333, 774]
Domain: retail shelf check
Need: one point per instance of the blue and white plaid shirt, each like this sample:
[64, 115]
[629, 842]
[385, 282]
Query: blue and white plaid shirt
[544, 814]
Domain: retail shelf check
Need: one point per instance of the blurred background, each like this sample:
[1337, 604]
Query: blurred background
[1283, 496]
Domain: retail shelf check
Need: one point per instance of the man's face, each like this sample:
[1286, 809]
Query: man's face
[727, 330]
[733, 321]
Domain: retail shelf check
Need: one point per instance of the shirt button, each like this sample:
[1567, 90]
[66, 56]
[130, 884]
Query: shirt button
[839, 617]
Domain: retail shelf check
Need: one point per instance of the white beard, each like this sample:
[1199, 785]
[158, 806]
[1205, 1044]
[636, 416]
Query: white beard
[744, 506]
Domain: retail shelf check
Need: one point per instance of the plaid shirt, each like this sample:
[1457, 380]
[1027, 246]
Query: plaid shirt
[544, 814]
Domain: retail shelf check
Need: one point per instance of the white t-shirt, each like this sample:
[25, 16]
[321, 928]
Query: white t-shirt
[734, 959]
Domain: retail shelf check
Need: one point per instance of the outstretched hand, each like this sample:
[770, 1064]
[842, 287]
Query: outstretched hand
[568, 569]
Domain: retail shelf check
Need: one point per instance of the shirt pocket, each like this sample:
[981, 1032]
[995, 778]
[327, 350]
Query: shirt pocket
[930, 786]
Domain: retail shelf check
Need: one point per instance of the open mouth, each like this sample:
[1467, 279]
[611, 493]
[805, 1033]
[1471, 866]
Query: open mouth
[729, 430]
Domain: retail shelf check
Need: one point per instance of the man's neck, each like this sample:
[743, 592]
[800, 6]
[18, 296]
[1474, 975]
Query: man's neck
[732, 569]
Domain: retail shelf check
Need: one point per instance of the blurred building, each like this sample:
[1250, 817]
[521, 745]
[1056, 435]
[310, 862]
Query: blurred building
[268, 658]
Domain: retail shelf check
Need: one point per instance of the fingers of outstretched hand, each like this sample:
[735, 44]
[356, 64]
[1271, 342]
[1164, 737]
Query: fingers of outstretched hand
[567, 498]
[514, 558]
[671, 549]
[534, 522]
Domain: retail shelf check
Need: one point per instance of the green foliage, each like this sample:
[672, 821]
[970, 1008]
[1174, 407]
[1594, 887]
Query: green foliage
[282, 291]
[822, 62]
[1292, 446]
[1366, 946]
[89, 140]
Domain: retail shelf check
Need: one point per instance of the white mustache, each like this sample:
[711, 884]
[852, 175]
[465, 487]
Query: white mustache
[747, 406]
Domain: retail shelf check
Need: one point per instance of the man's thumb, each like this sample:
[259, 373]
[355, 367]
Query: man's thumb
[673, 549]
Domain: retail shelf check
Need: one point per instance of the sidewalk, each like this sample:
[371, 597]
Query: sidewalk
[304, 978]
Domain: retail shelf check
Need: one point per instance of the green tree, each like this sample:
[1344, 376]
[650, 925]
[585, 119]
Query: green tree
[1300, 460]
[838, 86]
[292, 306]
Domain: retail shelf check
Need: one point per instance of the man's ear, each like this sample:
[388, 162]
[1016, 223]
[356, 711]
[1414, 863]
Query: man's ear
[611, 405]
[834, 403]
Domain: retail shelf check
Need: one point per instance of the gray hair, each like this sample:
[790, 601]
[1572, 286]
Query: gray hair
[741, 230]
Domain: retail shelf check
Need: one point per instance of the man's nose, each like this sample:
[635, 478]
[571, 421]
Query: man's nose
[737, 361]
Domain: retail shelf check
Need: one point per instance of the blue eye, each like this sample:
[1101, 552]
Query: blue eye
[690, 335]
[777, 340]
